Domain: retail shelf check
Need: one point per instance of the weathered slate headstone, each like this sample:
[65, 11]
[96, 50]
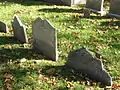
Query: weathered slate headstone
[82, 60]
[3, 27]
[67, 2]
[19, 29]
[45, 38]
[95, 6]
[114, 8]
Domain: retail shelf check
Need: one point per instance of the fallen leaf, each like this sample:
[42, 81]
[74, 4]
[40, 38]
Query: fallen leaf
[44, 78]
[7, 81]
[74, 33]
[75, 15]
[7, 76]
[115, 86]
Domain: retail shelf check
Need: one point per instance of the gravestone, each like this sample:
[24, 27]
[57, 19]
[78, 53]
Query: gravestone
[3, 27]
[67, 2]
[114, 8]
[19, 29]
[45, 38]
[83, 61]
[95, 6]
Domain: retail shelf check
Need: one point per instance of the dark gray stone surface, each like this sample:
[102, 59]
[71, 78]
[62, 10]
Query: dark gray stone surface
[83, 61]
[19, 29]
[45, 38]
[95, 4]
[3, 27]
[115, 7]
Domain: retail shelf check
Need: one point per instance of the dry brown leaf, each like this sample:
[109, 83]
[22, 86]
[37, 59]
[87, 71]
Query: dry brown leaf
[7, 76]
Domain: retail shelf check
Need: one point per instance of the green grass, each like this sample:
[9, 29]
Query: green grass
[97, 33]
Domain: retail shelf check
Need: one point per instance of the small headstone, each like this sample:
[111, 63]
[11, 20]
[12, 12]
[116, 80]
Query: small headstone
[45, 38]
[19, 29]
[114, 8]
[83, 61]
[95, 6]
[3, 27]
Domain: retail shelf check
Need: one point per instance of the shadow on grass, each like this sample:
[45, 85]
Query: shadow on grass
[97, 17]
[111, 23]
[16, 53]
[61, 73]
[8, 40]
[115, 45]
[59, 10]
[64, 72]
[32, 2]
[19, 53]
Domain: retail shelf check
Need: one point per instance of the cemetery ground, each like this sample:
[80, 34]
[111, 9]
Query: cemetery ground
[23, 69]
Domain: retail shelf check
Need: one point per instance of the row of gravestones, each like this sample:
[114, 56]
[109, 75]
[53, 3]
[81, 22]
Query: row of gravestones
[45, 41]
[95, 6]
[44, 35]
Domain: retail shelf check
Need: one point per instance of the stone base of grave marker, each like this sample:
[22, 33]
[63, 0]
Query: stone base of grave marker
[88, 10]
[114, 15]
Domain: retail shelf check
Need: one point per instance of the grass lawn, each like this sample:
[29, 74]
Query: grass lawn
[23, 69]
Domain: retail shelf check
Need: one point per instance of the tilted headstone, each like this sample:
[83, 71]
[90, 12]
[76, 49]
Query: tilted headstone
[19, 29]
[3, 27]
[83, 61]
[114, 8]
[45, 38]
[95, 6]
[67, 2]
